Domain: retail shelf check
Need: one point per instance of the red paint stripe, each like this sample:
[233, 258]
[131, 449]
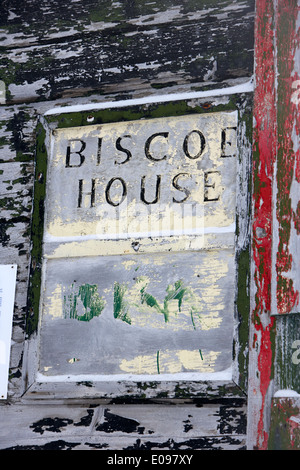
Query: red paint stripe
[264, 154]
[269, 109]
[288, 159]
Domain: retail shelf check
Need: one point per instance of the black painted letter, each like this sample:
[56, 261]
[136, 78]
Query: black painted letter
[78, 152]
[147, 146]
[80, 193]
[180, 188]
[211, 192]
[99, 150]
[122, 149]
[186, 145]
[157, 191]
[107, 192]
[225, 142]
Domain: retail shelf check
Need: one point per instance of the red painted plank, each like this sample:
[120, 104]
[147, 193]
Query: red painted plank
[276, 165]
[264, 157]
[288, 168]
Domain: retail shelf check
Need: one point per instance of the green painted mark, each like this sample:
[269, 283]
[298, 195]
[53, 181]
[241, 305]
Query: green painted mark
[152, 302]
[121, 306]
[157, 362]
[177, 292]
[84, 304]
[192, 318]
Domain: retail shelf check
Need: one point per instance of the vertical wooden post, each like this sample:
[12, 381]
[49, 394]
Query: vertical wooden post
[286, 210]
[273, 166]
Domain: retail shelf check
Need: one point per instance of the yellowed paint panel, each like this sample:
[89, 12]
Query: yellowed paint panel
[159, 177]
[55, 302]
[171, 362]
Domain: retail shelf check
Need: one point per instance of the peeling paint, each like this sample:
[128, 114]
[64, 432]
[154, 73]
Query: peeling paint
[264, 154]
[2, 92]
[172, 362]
[287, 172]
[274, 162]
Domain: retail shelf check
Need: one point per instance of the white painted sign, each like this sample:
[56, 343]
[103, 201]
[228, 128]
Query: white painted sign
[156, 177]
[7, 296]
[139, 255]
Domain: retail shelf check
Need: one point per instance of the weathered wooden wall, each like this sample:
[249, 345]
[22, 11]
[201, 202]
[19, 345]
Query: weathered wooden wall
[78, 52]
[58, 50]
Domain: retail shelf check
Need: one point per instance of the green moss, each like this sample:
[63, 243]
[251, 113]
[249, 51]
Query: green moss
[14, 204]
[37, 225]
[9, 72]
[106, 12]
[3, 141]
[159, 86]
[145, 385]
[243, 309]
[136, 112]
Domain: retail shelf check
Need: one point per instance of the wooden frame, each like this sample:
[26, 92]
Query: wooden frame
[181, 106]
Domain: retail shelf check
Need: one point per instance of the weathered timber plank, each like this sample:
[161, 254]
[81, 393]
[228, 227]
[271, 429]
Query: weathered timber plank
[135, 445]
[142, 427]
[17, 136]
[209, 45]
[286, 206]
[17, 142]
[37, 22]
[262, 328]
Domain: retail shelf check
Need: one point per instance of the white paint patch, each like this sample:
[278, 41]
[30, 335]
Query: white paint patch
[224, 375]
[286, 393]
[246, 87]
[29, 88]
[2, 92]
[8, 275]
